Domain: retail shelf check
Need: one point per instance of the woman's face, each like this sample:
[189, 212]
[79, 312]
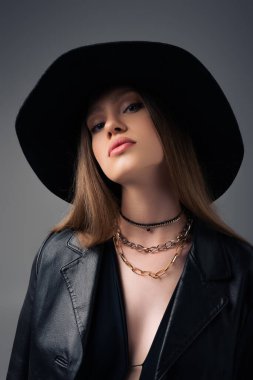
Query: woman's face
[124, 140]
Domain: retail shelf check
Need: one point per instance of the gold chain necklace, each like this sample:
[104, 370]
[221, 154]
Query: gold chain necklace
[182, 237]
[141, 272]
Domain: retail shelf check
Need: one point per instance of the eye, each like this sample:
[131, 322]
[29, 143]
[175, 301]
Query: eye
[133, 107]
[96, 128]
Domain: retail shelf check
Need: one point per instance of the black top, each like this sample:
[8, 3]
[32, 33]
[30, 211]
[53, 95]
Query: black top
[106, 354]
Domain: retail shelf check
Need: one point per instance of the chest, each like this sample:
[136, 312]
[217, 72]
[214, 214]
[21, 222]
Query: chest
[145, 302]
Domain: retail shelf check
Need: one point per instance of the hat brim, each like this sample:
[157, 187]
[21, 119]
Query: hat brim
[49, 122]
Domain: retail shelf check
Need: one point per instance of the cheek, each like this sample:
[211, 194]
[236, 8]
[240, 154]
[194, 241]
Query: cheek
[158, 148]
[154, 153]
[153, 144]
[100, 155]
[97, 151]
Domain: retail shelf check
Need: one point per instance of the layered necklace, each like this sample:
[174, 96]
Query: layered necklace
[179, 242]
[150, 226]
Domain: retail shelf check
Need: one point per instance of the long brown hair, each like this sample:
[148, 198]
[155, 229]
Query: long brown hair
[95, 207]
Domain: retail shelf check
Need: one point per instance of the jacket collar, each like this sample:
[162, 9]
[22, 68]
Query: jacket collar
[209, 252]
[201, 292]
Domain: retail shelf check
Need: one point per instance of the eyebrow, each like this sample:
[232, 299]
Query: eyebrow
[92, 109]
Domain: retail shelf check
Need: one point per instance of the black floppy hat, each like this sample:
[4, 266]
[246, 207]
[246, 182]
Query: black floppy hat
[49, 122]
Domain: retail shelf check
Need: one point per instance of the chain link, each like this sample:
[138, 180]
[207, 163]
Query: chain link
[140, 272]
[182, 237]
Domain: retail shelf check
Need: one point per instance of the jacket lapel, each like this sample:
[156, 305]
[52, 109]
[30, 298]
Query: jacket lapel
[81, 277]
[200, 297]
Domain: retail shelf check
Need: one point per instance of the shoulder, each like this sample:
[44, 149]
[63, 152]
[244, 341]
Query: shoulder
[206, 234]
[237, 247]
[58, 249]
[240, 257]
[218, 250]
[239, 252]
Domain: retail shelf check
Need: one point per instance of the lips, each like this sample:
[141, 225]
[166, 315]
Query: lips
[120, 141]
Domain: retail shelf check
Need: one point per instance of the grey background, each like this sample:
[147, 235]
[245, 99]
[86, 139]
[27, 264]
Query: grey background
[32, 34]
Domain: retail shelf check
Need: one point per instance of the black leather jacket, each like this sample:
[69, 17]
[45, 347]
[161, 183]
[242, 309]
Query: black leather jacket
[210, 332]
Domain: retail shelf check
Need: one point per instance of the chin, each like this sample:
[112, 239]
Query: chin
[122, 171]
[122, 179]
[129, 171]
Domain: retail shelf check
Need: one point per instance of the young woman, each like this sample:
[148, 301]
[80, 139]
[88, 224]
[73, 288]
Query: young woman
[142, 279]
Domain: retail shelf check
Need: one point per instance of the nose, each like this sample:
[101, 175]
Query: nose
[114, 126]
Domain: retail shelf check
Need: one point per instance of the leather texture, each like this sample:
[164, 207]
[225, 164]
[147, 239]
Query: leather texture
[209, 335]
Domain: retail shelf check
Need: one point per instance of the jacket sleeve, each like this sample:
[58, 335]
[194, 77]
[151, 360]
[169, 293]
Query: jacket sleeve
[245, 350]
[19, 361]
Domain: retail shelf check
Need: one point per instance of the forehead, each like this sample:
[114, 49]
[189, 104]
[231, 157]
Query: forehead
[108, 95]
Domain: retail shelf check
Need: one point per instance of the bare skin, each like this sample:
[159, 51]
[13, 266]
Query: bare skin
[146, 298]
[145, 302]
[147, 196]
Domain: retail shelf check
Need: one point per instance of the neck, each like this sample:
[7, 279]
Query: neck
[150, 204]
